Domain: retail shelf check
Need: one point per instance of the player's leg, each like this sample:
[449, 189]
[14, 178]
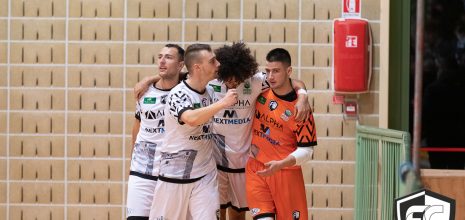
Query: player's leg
[234, 214]
[204, 201]
[139, 197]
[237, 196]
[259, 196]
[289, 194]
[171, 200]
[223, 189]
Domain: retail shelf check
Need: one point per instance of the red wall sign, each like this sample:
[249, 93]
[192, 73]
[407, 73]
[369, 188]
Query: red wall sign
[351, 8]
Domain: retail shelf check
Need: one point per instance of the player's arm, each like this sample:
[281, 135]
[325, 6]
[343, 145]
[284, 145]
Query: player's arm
[298, 157]
[306, 139]
[194, 117]
[136, 125]
[135, 130]
[302, 107]
[141, 87]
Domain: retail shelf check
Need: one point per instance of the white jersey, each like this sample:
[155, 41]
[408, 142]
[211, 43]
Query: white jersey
[150, 111]
[233, 126]
[186, 152]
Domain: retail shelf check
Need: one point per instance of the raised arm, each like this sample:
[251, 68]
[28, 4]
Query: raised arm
[141, 87]
[302, 108]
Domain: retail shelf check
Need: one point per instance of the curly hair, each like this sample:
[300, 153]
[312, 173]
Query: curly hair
[236, 61]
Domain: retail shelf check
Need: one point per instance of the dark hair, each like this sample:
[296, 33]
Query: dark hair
[236, 61]
[192, 54]
[279, 55]
[180, 50]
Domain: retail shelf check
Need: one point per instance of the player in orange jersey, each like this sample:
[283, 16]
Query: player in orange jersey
[274, 181]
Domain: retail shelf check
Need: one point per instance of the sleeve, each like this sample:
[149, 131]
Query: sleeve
[179, 102]
[138, 111]
[305, 132]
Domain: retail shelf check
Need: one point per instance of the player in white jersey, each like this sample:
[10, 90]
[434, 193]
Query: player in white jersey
[148, 131]
[187, 187]
[233, 125]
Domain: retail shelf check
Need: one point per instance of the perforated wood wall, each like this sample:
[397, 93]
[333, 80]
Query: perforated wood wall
[67, 68]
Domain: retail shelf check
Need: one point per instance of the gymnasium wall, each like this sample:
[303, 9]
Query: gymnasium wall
[67, 69]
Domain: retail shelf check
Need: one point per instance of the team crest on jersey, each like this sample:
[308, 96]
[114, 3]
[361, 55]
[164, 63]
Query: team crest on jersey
[204, 102]
[284, 117]
[288, 113]
[150, 100]
[163, 99]
[295, 215]
[247, 89]
[273, 105]
[196, 105]
[261, 100]
[216, 88]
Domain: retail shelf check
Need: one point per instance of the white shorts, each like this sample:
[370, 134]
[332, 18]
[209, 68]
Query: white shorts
[179, 201]
[140, 196]
[232, 190]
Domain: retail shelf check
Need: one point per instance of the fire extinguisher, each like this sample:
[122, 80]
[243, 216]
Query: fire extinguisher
[352, 55]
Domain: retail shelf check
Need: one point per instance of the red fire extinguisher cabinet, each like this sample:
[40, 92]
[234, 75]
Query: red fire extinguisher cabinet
[352, 55]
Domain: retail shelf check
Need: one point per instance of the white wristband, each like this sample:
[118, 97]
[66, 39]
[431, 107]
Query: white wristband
[302, 91]
[302, 155]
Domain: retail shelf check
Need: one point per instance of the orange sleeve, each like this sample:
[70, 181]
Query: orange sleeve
[305, 132]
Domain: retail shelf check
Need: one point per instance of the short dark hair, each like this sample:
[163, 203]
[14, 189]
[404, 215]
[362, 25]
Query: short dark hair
[180, 50]
[236, 61]
[279, 55]
[192, 54]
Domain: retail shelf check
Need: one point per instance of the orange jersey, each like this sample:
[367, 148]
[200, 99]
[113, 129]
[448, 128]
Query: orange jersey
[275, 132]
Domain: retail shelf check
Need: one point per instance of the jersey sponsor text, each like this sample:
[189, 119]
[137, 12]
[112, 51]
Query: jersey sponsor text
[268, 119]
[227, 121]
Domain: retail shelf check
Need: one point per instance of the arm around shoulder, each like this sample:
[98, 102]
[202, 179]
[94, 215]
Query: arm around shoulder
[199, 116]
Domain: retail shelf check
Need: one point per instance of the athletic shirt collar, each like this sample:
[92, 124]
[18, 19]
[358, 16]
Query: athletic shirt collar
[200, 93]
[289, 97]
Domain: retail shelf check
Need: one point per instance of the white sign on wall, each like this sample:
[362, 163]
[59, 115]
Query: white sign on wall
[351, 8]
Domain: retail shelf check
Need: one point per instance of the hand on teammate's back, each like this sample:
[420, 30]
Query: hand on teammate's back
[302, 109]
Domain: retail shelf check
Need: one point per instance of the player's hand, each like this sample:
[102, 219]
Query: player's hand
[141, 87]
[302, 108]
[230, 98]
[271, 168]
